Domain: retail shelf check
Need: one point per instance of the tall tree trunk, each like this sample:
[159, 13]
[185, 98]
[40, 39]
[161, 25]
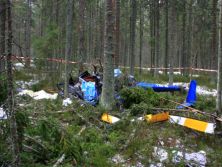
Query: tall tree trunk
[184, 55]
[152, 35]
[157, 37]
[132, 36]
[69, 18]
[214, 35]
[28, 32]
[166, 36]
[101, 31]
[107, 98]
[219, 72]
[2, 33]
[82, 51]
[141, 36]
[189, 35]
[117, 30]
[12, 114]
[172, 38]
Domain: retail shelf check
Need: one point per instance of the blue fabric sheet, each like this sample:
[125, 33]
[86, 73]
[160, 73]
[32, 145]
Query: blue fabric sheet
[157, 87]
[89, 91]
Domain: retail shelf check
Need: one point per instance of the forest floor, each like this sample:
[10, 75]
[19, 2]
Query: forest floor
[74, 135]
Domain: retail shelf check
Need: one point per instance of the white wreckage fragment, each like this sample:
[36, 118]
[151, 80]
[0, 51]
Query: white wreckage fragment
[193, 124]
[109, 118]
[2, 114]
[38, 95]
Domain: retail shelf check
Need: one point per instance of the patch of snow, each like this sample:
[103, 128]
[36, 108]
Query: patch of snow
[156, 165]
[175, 73]
[160, 153]
[21, 105]
[201, 90]
[2, 114]
[66, 102]
[160, 72]
[39, 95]
[24, 84]
[138, 164]
[137, 119]
[192, 159]
[19, 65]
[118, 159]
[195, 75]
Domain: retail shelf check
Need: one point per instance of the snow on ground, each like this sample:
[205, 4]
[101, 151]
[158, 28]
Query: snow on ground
[191, 159]
[2, 114]
[19, 65]
[120, 161]
[66, 102]
[38, 95]
[201, 90]
[25, 84]
[160, 154]
[160, 72]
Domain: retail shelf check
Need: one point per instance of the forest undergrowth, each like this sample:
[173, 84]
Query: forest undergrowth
[49, 131]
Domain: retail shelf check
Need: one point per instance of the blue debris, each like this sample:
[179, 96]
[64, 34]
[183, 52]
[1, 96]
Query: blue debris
[89, 92]
[157, 87]
[191, 96]
[117, 72]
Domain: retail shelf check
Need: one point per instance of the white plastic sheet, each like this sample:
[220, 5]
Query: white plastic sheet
[39, 95]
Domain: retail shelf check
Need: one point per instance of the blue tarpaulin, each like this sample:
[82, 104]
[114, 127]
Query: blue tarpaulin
[89, 91]
[158, 87]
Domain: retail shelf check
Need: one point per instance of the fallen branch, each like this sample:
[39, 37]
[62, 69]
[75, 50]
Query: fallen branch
[195, 110]
[30, 148]
[34, 140]
[169, 109]
[83, 128]
[60, 160]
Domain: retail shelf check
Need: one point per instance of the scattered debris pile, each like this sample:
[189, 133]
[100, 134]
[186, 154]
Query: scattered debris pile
[88, 87]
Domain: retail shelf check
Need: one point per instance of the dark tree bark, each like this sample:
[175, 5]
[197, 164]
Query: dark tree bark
[214, 35]
[152, 34]
[157, 37]
[10, 100]
[141, 36]
[117, 30]
[172, 38]
[68, 50]
[28, 32]
[107, 97]
[2, 33]
[166, 36]
[184, 53]
[82, 51]
[219, 72]
[189, 34]
[101, 31]
[132, 35]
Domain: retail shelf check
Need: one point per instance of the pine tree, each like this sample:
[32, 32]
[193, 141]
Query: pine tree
[107, 98]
